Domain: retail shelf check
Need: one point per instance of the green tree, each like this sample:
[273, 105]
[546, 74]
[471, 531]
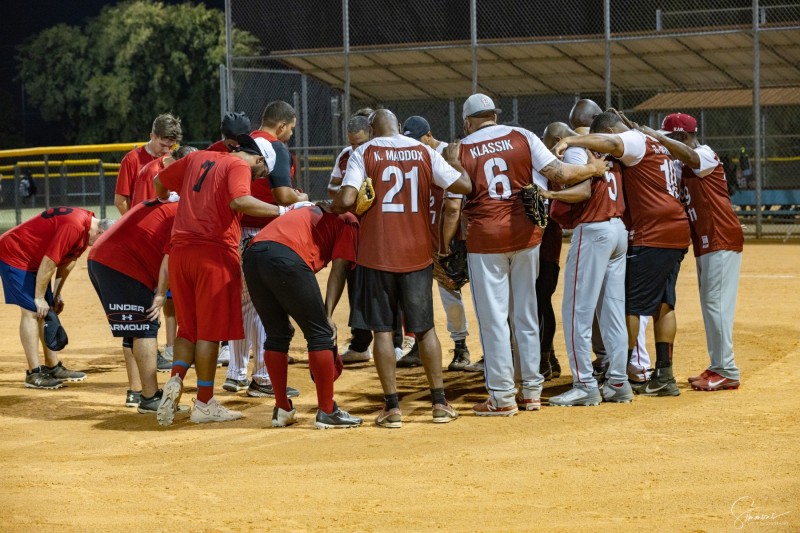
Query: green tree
[107, 81]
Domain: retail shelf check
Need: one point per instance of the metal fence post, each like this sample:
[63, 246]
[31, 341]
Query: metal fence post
[46, 181]
[607, 25]
[298, 133]
[757, 117]
[452, 119]
[228, 56]
[63, 180]
[102, 175]
[346, 47]
[335, 141]
[306, 172]
[223, 91]
[473, 23]
[17, 207]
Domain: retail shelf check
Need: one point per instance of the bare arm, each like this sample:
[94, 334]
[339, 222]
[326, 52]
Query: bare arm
[43, 276]
[566, 174]
[333, 292]
[463, 185]
[288, 196]
[61, 276]
[451, 215]
[345, 199]
[603, 143]
[252, 206]
[334, 186]
[161, 290]
[678, 150]
[161, 191]
[122, 203]
[572, 195]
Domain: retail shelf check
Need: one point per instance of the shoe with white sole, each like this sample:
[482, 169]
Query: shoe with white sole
[173, 389]
[577, 396]
[213, 411]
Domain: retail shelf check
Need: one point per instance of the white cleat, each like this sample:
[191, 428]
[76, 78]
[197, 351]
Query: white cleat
[169, 401]
[212, 411]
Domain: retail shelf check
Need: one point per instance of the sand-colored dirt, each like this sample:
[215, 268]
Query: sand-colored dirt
[77, 459]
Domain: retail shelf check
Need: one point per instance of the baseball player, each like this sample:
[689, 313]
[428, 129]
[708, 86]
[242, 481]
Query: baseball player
[233, 125]
[594, 277]
[658, 238]
[546, 283]
[128, 269]
[445, 214]
[279, 268]
[204, 270]
[30, 254]
[503, 249]
[277, 126]
[357, 349]
[166, 133]
[717, 240]
[393, 263]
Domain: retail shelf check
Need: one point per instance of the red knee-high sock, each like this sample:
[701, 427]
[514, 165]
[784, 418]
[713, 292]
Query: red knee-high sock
[320, 363]
[278, 368]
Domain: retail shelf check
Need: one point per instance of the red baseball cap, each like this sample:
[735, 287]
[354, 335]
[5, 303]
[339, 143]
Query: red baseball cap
[679, 122]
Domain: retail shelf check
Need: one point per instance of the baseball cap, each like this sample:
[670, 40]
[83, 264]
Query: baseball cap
[479, 103]
[54, 335]
[234, 124]
[247, 145]
[679, 122]
[415, 127]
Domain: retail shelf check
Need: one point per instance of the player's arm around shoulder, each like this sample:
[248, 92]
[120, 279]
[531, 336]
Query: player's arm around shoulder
[449, 156]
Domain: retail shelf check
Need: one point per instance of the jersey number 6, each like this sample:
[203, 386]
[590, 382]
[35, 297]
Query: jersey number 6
[497, 179]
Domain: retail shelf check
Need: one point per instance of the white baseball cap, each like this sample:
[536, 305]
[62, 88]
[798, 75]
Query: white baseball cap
[479, 103]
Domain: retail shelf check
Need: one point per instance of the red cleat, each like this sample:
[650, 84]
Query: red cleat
[714, 382]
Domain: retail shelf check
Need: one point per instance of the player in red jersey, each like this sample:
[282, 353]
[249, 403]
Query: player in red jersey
[165, 133]
[128, 268]
[503, 249]
[279, 268]
[717, 240]
[233, 125]
[393, 264]
[658, 238]
[204, 270]
[47, 244]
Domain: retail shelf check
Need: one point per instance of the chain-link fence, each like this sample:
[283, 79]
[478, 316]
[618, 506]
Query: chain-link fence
[648, 58]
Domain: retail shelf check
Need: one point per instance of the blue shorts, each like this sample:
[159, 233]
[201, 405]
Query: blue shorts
[19, 287]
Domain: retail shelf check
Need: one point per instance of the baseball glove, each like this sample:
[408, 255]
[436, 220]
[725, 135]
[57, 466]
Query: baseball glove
[451, 270]
[535, 207]
[366, 195]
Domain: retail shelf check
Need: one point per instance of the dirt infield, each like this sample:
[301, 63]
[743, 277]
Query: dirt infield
[76, 458]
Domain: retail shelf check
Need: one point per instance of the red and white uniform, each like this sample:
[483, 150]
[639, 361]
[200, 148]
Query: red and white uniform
[594, 275]
[129, 168]
[657, 218]
[60, 233]
[504, 254]
[340, 165]
[136, 245]
[717, 239]
[395, 234]
[204, 271]
[143, 187]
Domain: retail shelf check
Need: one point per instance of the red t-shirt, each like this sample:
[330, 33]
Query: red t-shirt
[713, 223]
[207, 183]
[137, 243]
[129, 168]
[143, 187]
[318, 237]
[395, 234]
[500, 160]
[219, 146]
[656, 214]
[60, 233]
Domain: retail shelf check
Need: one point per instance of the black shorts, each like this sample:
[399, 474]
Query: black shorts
[125, 301]
[379, 296]
[650, 278]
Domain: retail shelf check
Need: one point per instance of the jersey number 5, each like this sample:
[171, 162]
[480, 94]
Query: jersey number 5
[396, 173]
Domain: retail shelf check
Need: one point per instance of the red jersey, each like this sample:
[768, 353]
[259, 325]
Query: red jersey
[317, 236]
[143, 187]
[605, 203]
[500, 160]
[60, 233]
[713, 223]
[219, 146]
[137, 243]
[656, 214]
[129, 168]
[395, 234]
[207, 183]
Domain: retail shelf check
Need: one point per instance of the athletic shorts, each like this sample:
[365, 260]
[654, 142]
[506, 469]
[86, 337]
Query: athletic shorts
[206, 283]
[650, 278]
[125, 302]
[19, 287]
[379, 296]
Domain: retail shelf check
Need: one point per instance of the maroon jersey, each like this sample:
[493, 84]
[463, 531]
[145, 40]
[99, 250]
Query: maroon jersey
[713, 223]
[60, 233]
[500, 160]
[318, 237]
[656, 215]
[137, 243]
[395, 234]
[207, 183]
[129, 168]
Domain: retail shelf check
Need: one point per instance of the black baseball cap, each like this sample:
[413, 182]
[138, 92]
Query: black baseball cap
[234, 124]
[54, 335]
[416, 127]
[247, 145]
